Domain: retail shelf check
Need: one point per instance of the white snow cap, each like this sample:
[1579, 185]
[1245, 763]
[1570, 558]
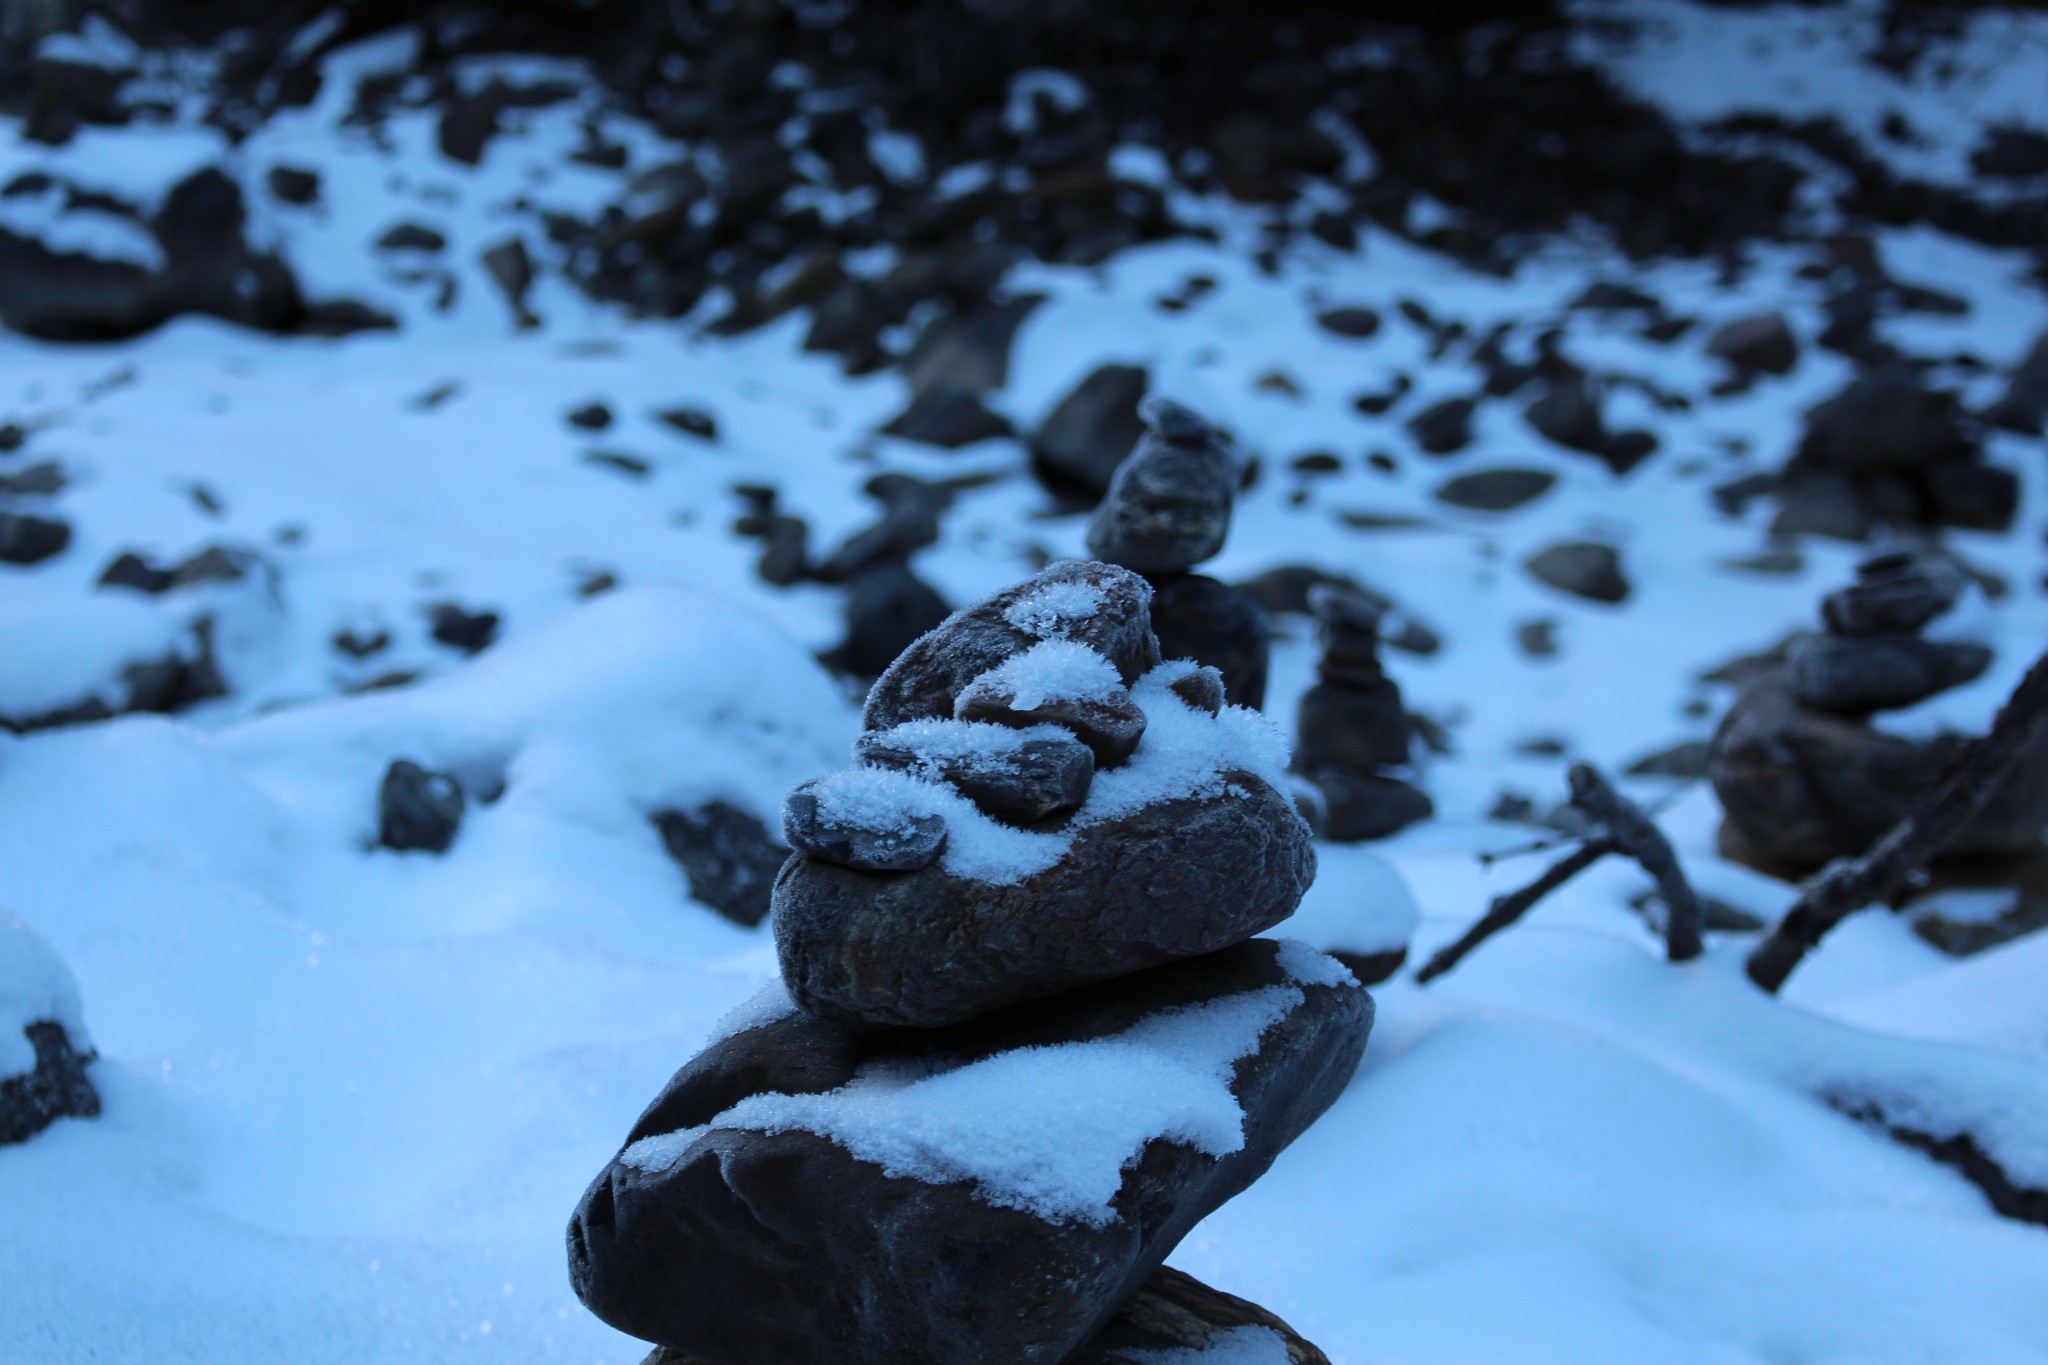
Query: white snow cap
[1049, 1130]
[1054, 670]
[35, 985]
[1054, 608]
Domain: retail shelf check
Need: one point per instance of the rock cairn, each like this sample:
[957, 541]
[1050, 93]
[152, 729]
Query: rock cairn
[1803, 771]
[1168, 510]
[1355, 739]
[1024, 1040]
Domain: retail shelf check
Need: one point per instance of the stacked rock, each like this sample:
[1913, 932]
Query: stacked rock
[1168, 510]
[1354, 739]
[1803, 772]
[1024, 1039]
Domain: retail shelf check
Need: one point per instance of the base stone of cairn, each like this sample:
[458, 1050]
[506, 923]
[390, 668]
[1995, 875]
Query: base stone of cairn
[1024, 1039]
[1805, 774]
[1172, 1317]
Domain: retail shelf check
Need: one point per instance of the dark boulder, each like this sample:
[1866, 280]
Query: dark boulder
[1101, 606]
[418, 809]
[1092, 431]
[888, 609]
[742, 1246]
[727, 855]
[947, 418]
[1196, 617]
[1173, 879]
[1172, 1314]
[459, 628]
[1800, 787]
[1443, 428]
[1885, 420]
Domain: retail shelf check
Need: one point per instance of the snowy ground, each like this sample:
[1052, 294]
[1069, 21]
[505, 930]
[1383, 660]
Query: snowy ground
[351, 1096]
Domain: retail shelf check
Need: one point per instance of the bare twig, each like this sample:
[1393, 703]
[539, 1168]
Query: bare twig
[1850, 884]
[1505, 910]
[1615, 824]
[1634, 833]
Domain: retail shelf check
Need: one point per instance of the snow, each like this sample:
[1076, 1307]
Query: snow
[1049, 611]
[351, 1098]
[34, 987]
[1049, 1130]
[1049, 671]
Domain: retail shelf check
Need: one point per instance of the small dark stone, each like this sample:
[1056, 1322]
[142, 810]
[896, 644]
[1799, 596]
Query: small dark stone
[789, 1250]
[131, 570]
[418, 809]
[928, 678]
[13, 436]
[1763, 343]
[1496, 490]
[910, 521]
[1353, 322]
[1583, 569]
[58, 1086]
[1358, 806]
[1853, 676]
[40, 480]
[1317, 462]
[1893, 593]
[949, 419]
[914, 842]
[1110, 726]
[2024, 405]
[361, 645]
[1168, 508]
[31, 540]
[411, 237]
[1092, 430]
[785, 551]
[1537, 639]
[512, 269]
[1568, 412]
[691, 422]
[632, 466]
[1443, 428]
[1202, 688]
[470, 632]
[728, 857]
[1022, 782]
[1196, 617]
[590, 417]
[293, 185]
[1821, 503]
[343, 317]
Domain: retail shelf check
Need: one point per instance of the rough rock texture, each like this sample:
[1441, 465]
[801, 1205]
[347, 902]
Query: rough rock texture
[1168, 508]
[927, 678]
[1196, 617]
[57, 1088]
[924, 949]
[751, 1248]
[418, 809]
[1038, 775]
[1110, 726]
[910, 843]
[729, 858]
[1800, 787]
[1173, 1313]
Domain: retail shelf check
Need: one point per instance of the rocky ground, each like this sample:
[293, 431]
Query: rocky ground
[460, 468]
